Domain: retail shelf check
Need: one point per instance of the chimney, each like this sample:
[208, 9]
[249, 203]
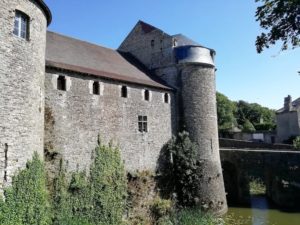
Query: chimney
[288, 103]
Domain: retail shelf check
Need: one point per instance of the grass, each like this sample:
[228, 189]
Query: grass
[194, 216]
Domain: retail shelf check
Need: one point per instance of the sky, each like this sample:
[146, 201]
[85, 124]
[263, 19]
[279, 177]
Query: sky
[229, 27]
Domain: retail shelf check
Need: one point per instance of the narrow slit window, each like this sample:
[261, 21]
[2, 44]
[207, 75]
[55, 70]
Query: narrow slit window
[143, 124]
[124, 92]
[152, 43]
[21, 25]
[146, 95]
[96, 88]
[166, 98]
[61, 83]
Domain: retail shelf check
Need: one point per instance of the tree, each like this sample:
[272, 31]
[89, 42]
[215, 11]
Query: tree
[281, 18]
[262, 118]
[225, 111]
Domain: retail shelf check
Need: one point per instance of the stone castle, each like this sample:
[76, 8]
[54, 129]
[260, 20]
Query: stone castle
[58, 93]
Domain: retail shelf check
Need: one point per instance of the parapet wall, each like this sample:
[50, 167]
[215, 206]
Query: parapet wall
[231, 143]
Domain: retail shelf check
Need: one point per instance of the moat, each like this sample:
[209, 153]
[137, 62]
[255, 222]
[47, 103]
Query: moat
[262, 212]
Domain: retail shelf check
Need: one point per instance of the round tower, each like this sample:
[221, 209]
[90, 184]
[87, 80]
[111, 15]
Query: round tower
[198, 93]
[23, 25]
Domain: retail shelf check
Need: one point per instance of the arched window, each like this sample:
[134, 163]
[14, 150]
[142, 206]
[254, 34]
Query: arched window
[146, 95]
[61, 83]
[124, 91]
[96, 88]
[166, 98]
[21, 25]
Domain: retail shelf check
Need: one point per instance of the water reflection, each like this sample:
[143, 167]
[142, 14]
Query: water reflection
[261, 213]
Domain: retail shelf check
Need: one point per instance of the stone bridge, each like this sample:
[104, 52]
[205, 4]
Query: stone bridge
[278, 169]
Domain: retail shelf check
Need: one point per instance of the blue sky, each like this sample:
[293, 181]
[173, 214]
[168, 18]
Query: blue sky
[229, 27]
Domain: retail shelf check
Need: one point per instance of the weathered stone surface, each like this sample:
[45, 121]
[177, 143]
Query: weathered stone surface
[22, 72]
[200, 120]
[278, 169]
[75, 118]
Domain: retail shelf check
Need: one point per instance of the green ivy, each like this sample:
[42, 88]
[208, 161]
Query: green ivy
[26, 201]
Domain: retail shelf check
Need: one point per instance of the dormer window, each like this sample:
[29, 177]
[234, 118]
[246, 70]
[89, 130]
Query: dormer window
[21, 25]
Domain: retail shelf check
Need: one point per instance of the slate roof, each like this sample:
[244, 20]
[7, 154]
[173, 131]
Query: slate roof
[183, 40]
[79, 56]
[295, 106]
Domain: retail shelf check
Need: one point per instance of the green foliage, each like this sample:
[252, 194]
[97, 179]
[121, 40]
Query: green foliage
[108, 185]
[247, 116]
[296, 143]
[184, 169]
[161, 208]
[193, 216]
[95, 199]
[257, 187]
[281, 18]
[248, 126]
[26, 201]
[260, 117]
[225, 110]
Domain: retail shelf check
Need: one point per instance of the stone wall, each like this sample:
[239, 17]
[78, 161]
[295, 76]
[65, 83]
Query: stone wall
[22, 72]
[75, 117]
[288, 124]
[279, 170]
[200, 120]
[231, 143]
[151, 46]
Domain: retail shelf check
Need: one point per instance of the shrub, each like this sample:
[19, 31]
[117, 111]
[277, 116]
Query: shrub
[248, 126]
[184, 169]
[160, 208]
[108, 185]
[96, 199]
[26, 201]
[296, 143]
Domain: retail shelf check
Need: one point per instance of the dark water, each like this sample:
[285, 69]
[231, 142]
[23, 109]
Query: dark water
[261, 213]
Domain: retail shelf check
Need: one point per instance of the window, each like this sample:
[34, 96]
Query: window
[142, 123]
[146, 95]
[124, 93]
[61, 83]
[152, 43]
[21, 26]
[166, 98]
[96, 88]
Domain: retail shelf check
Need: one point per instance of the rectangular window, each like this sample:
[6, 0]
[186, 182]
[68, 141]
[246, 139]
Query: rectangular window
[21, 25]
[143, 124]
[61, 83]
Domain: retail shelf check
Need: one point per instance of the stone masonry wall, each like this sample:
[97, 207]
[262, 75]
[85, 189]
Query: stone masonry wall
[153, 48]
[75, 117]
[287, 125]
[200, 120]
[22, 71]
